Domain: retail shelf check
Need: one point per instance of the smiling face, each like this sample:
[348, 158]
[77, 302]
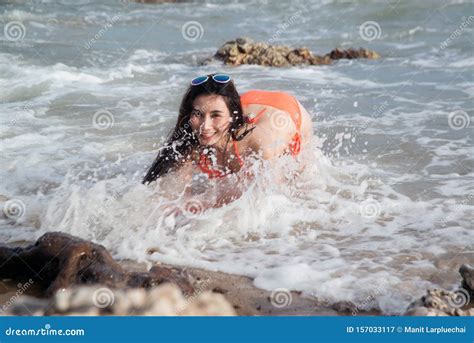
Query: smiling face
[210, 119]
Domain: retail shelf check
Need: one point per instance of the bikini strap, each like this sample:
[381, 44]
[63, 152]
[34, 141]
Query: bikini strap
[252, 118]
[236, 150]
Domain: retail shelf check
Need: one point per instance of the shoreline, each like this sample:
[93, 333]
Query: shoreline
[239, 291]
[248, 300]
[60, 274]
[245, 298]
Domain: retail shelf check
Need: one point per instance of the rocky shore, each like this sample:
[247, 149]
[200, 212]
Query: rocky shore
[246, 51]
[64, 275]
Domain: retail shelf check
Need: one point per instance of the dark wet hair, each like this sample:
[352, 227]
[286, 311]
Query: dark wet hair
[182, 141]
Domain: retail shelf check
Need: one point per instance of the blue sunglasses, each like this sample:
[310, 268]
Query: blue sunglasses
[221, 78]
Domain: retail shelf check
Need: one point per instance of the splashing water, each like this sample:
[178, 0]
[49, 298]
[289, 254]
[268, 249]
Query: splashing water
[383, 207]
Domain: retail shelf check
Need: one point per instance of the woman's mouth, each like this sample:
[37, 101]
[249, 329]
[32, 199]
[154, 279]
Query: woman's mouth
[207, 136]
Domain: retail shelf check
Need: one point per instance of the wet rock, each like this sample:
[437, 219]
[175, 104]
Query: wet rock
[439, 302]
[58, 260]
[246, 51]
[163, 300]
[345, 306]
[352, 53]
[467, 273]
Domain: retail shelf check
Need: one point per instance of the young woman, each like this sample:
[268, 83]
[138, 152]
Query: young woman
[217, 129]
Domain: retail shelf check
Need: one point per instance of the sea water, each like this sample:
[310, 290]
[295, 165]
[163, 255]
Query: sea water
[382, 211]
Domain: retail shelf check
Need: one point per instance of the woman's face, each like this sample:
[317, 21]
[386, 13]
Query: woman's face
[210, 118]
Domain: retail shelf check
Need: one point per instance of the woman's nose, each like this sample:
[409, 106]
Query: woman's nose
[206, 122]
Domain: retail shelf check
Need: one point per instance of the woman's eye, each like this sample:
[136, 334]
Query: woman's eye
[196, 113]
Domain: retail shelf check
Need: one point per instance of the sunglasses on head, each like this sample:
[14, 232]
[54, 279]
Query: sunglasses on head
[220, 78]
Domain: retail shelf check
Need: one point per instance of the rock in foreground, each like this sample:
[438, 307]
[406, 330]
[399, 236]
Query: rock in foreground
[164, 300]
[58, 260]
[438, 302]
[246, 51]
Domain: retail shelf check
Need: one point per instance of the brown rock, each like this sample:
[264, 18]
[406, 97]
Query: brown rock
[246, 51]
[467, 273]
[352, 53]
[58, 260]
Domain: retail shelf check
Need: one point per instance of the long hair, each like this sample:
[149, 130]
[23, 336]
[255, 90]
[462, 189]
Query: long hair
[181, 142]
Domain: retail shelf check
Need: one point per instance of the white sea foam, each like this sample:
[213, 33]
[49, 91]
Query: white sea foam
[331, 234]
[383, 205]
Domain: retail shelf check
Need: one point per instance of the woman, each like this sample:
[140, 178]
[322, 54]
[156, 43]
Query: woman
[217, 129]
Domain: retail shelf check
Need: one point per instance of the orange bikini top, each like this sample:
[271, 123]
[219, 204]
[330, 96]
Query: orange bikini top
[205, 164]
